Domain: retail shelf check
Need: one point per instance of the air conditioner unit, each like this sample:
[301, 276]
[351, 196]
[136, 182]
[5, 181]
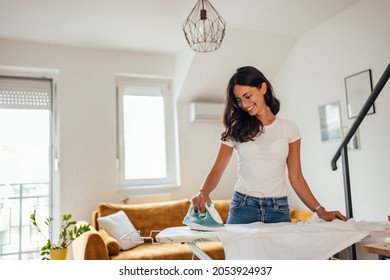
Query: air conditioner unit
[205, 111]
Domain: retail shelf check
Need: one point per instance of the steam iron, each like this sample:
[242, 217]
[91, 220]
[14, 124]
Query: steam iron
[208, 221]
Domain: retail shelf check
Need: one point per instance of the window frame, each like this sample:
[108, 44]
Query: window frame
[172, 178]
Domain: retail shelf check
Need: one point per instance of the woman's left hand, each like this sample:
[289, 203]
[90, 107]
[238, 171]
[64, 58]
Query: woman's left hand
[330, 215]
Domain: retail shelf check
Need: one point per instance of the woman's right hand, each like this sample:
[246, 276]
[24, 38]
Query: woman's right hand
[199, 201]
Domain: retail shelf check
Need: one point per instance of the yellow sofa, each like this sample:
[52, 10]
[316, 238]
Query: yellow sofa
[97, 244]
[298, 215]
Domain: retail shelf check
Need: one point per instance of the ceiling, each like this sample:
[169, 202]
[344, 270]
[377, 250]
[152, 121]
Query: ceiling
[151, 25]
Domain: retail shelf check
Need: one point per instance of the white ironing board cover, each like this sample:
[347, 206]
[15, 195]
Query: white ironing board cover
[184, 234]
[315, 239]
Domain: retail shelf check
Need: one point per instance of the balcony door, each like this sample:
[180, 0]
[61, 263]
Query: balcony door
[26, 155]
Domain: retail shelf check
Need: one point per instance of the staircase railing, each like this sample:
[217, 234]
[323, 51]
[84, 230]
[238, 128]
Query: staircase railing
[343, 149]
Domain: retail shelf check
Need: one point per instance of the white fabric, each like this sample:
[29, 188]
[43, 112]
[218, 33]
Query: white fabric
[287, 241]
[119, 225]
[312, 240]
[262, 162]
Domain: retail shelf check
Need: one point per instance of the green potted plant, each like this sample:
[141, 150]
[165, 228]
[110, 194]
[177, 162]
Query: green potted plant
[68, 233]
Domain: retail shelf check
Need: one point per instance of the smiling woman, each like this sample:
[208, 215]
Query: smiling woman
[268, 152]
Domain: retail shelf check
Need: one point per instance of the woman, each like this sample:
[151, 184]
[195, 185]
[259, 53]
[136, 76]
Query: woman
[265, 145]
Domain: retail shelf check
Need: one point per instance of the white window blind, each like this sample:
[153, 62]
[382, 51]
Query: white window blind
[26, 93]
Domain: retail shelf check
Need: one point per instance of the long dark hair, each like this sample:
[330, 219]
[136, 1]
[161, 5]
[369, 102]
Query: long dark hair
[239, 125]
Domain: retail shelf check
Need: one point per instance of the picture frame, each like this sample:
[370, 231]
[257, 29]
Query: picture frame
[358, 88]
[330, 121]
[354, 143]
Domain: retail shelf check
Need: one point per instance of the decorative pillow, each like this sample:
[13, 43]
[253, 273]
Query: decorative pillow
[118, 225]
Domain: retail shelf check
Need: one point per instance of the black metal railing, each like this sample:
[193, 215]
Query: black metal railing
[343, 149]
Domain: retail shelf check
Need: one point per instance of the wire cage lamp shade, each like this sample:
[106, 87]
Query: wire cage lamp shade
[204, 28]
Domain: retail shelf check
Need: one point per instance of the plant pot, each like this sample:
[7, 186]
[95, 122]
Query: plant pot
[59, 254]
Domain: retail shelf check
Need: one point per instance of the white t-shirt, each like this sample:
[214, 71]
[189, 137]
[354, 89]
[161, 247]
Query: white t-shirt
[262, 162]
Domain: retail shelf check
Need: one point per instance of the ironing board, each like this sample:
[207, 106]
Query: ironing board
[190, 237]
[285, 241]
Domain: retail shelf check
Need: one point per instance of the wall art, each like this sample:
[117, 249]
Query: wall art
[330, 122]
[358, 88]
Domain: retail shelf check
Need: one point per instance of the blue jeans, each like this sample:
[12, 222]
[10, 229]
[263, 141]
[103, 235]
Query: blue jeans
[246, 209]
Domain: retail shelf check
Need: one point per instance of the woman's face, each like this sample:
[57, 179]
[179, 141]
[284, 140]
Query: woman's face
[250, 99]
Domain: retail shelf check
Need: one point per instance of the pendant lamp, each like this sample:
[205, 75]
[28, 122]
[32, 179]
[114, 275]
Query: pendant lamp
[204, 28]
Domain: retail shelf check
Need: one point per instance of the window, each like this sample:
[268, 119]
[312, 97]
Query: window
[146, 136]
[26, 118]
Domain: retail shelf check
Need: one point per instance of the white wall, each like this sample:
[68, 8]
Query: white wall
[313, 75]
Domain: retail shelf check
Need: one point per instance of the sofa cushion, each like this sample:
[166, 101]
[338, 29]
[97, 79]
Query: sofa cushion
[150, 216]
[118, 225]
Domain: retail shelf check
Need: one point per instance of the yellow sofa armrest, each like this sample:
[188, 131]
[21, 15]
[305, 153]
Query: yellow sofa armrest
[112, 245]
[89, 245]
[300, 215]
